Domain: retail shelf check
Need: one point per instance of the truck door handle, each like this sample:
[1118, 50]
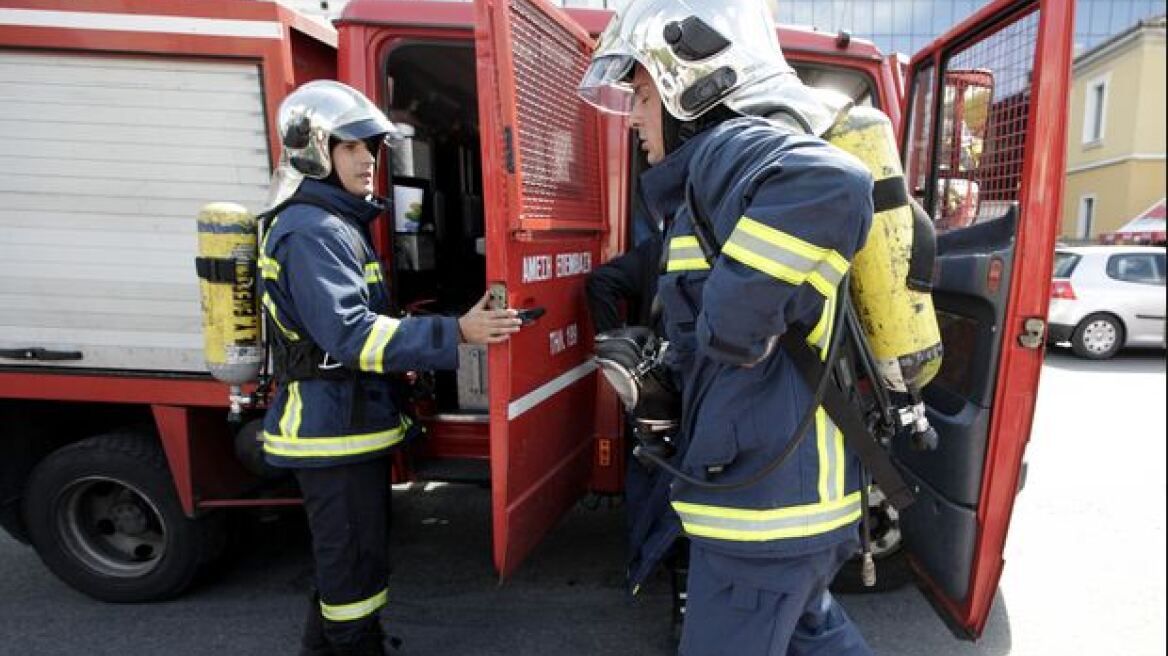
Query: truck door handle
[1034, 333]
[528, 315]
[39, 354]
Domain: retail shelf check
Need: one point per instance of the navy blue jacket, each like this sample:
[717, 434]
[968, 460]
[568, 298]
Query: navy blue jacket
[790, 211]
[322, 281]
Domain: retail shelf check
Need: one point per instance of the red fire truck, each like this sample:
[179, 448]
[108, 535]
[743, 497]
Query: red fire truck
[116, 458]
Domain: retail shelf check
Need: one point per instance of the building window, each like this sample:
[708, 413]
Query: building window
[1095, 111]
[1086, 216]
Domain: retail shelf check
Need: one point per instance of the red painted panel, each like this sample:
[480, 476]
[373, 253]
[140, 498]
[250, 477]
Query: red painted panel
[543, 236]
[1042, 140]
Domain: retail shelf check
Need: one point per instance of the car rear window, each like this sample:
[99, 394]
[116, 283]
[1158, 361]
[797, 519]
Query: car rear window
[1064, 263]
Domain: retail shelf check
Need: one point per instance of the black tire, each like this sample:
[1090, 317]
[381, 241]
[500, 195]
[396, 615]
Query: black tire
[104, 516]
[888, 554]
[1098, 336]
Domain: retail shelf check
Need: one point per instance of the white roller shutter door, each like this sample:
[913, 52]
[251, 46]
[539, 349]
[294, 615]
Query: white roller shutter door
[104, 164]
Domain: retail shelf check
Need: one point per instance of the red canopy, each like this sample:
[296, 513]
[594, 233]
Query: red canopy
[1147, 228]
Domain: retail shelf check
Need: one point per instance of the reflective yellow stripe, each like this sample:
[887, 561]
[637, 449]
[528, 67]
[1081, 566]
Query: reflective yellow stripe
[794, 244]
[746, 525]
[355, 610]
[685, 255]
[290, 419]
[820, 336]
[324, 447]
[829, 442]
[268, 233]
[690, 264]
[270, 306]
[373, 352]
[373, 272]
[269, 268]
[787, 258]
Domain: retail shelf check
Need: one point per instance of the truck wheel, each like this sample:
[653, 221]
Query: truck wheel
[1097, 337]
[104, 517]
[888, 554]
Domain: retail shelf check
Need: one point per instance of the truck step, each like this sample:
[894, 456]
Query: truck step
[454, 470]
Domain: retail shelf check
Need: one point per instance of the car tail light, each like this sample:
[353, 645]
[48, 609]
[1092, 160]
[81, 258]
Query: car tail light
[1061, 289]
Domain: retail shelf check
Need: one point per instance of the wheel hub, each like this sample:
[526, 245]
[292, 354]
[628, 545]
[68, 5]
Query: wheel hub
[128, 519]
[1099, 336]
[111, 527]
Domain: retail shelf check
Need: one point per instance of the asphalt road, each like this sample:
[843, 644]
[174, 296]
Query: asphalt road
[1085, 569]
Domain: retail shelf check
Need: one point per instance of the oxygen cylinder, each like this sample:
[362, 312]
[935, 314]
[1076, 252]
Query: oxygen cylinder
[226, 267]
[898, 320]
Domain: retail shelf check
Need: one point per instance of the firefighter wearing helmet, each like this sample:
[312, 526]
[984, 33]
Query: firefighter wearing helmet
[324, 294]
[783, 213]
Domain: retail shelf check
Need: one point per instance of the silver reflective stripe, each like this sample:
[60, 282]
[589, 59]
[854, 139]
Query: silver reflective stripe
[756, 525]
[686, 255]
[832, 459]
[785, 257]
[269, 268]
[372, 354]
[290, 419]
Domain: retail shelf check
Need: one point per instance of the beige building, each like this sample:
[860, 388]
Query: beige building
[1115, 140]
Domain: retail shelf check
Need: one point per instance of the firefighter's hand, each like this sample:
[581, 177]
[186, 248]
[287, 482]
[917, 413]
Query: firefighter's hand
[482, 326]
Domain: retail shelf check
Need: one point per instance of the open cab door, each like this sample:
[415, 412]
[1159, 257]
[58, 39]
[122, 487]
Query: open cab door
[546, 217]
[984, 143]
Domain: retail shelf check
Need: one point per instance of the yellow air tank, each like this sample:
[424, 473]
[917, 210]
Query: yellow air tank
[898, 320]
[226, 266]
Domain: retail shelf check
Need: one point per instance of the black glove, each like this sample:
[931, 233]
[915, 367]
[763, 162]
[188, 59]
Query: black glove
[631, 361]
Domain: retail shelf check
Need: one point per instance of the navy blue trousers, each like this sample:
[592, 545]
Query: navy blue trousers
[767, 606]
[347, 508]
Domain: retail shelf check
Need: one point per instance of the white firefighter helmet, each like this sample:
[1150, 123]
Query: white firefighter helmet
[308, 118]
[700, 53]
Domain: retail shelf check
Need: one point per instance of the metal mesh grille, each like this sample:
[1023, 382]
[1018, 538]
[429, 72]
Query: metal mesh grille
[991, 121]
[985, 105]
[558, 141]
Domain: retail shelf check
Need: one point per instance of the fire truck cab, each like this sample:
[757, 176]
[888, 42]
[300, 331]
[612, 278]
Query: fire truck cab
[507, 181]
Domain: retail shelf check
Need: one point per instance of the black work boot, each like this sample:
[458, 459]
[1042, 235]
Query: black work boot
[313, 642]
[368, 645]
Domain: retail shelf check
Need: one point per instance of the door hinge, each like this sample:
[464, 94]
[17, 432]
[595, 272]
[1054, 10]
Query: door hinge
[508, 150]
[1033, 333]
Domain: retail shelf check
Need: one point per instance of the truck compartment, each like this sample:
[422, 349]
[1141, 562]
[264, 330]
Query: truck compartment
[112, 158]
[437, 237]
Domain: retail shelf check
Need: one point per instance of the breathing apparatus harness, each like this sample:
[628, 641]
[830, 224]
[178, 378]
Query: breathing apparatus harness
[286, 360]
[654, 396]
[816, 374]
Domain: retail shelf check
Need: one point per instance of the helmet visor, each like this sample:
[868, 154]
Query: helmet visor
[364, 128]
[605, 84]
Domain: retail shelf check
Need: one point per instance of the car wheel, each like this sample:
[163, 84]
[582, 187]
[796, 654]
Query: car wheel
[888, 554]
[1097, 337]
[104, 516]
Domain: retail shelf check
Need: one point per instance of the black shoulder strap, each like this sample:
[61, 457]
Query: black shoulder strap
[845, 415]
[842, 411]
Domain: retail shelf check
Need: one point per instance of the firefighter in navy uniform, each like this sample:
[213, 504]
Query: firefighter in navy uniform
[789, 211]
[334, 420]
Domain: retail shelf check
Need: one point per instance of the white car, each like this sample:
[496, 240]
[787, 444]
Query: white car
[1107, 297]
